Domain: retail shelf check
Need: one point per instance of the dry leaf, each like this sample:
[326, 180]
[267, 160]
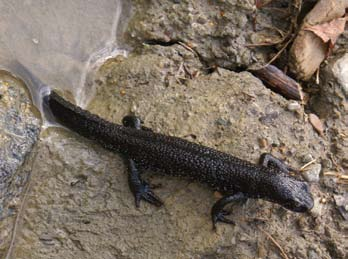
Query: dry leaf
[316, 123]
[261, 3]
[329, 31]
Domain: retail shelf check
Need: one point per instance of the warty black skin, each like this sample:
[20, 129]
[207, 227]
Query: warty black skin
[235, 178]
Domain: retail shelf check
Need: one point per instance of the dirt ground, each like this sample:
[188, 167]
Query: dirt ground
[78, 204]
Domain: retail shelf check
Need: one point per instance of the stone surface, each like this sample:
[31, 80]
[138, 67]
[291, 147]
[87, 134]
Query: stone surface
[19, 130]
[224, 33]
[80, 205]
[332, 106]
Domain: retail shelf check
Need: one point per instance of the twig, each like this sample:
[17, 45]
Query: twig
[178, 72]
[279, 52]
[306, 165]
[275, 243]
[187, 47]
[279, 82]
[297, 5]
[187, 71]
[342, 179]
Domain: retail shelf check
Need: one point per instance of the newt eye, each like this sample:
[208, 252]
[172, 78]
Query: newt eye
[131, 121]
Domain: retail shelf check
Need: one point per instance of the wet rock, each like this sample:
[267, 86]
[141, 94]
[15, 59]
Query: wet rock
[19, 130]
[312, 173]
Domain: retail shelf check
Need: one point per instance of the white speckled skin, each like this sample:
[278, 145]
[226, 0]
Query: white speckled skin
[179, 157]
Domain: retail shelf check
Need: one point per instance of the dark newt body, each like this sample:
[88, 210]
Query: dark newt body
[235, 178]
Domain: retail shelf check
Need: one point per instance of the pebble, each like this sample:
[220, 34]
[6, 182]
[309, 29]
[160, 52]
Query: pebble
[342, 205]
[223, 122]
[47, 239]
[326, 163]
[307, 158]
[312, 174]
[312, 254]
[340, 70]
[294, 106]
[35, 41]
[317, 209]
[345, 162]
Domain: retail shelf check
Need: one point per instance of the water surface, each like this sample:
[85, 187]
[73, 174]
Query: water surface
[60, 42]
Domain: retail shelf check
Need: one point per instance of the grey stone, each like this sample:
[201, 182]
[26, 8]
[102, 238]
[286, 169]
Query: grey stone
[340, 71]
[294, 106]
[342, 205]
[312, 173]
[331, 104]
[19, 131]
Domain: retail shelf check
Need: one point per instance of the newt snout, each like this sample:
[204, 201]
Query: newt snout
[294, 195]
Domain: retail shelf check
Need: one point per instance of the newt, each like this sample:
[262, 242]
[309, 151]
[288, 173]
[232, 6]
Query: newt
[235, 178]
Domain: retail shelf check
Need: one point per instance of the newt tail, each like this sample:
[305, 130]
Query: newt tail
[236, 179]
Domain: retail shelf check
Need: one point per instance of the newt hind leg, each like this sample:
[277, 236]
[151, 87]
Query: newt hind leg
[140, 188]
[218, 213]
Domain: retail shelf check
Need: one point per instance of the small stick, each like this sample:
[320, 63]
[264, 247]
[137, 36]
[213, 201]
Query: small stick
[187, 47]
[306, 165]
[317, 78]
[275, 243]
[275, 79]
[188, 71]
[342, 179]
[279, 52]
[178, 72]
[332, 173]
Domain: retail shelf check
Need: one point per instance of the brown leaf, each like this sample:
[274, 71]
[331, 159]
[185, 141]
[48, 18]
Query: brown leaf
[329, 31]
[261, 3]
[316, 123]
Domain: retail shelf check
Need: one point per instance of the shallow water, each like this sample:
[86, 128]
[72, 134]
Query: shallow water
[60, 42]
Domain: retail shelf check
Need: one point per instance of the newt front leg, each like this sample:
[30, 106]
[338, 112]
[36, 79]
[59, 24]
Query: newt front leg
[218, 213]
[140, 188]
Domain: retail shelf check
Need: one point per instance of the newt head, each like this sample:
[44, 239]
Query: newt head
[293, 194]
